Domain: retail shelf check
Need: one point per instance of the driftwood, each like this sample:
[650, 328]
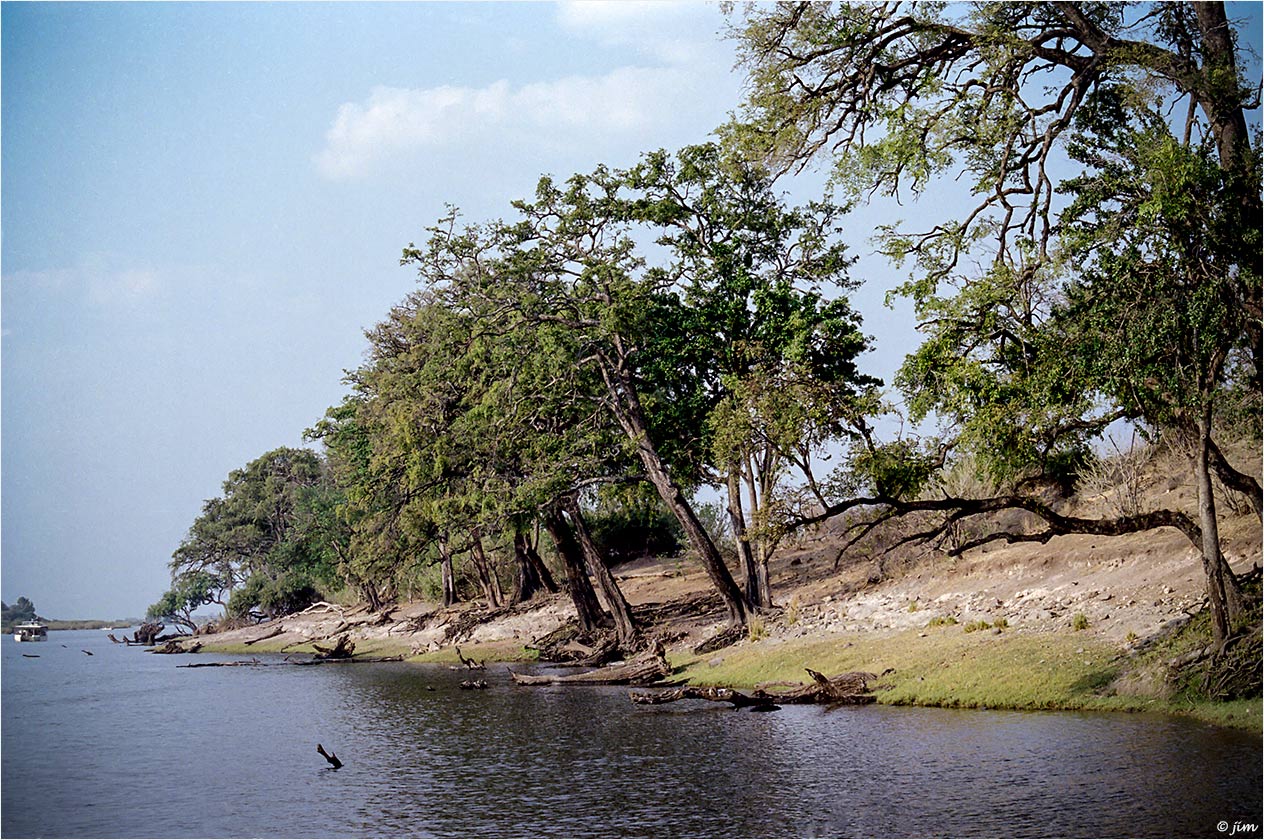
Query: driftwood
[90, 653]
[173, 646]
[30, 656]
[650, 667]
[257, 663]
[343, 649]
[473, 684]
[332, 758]
[470, 663]
[347, 660]
[146, 635]
[851, 688]
[274, 632]
[727, 636]
[236, 664]
[110, 636]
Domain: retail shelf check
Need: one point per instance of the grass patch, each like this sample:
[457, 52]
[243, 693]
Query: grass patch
[974, 626]
[942, 621]
[1034, 671]
[1079, 622]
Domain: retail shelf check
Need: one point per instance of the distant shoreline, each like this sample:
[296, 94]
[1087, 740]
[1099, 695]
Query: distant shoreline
[83, 624]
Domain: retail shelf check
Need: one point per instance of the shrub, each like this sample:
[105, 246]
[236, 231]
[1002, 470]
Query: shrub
[976, 625]
[941, 621]
[756, 629]
[912, 607]
[1079, 622]
[792, 611]
[1001, 623]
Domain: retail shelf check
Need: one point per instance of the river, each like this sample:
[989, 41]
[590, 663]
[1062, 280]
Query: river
[125, 744]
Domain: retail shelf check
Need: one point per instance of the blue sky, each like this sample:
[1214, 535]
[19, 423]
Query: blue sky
[204, 207]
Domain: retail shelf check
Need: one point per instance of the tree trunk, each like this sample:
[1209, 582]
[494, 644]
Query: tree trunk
[1223, 594]
[625, 627]
[587, 609]
[744, 553]
[526, 579]
[541, 568]
[627, 410]
[757, 585]
[486, 574]
[449, 578]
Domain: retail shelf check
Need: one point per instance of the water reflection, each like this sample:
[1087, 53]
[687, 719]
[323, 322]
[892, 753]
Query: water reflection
[231, 752]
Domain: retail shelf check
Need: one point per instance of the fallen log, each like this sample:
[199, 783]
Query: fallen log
[347, 660]
[332, 758]
[173, 646]
[470, 664]
[649, 668]
[276, 631]
[851, 688]
[343, 649]
[236, 664]
[110, 636]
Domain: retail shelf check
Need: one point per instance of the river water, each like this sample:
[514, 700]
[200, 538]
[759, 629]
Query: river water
[125, 744]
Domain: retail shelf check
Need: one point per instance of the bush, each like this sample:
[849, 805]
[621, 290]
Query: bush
[1079, 622]
[287, 594]
[626, 529]
[941, 621]
[976, 625]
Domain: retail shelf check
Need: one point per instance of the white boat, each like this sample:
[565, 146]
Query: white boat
[30, 631]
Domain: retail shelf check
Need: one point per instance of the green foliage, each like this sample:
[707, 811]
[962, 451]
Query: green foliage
[189, 592]
[1079, 622]
[1131, 297]
[942, 621]
[632, 523]
[21, 610]
[972, 626]
[269, 537]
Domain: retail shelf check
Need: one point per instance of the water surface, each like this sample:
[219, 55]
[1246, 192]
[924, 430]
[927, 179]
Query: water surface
[125, 744]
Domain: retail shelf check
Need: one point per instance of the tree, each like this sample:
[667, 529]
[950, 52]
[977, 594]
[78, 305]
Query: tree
[756, 325]
[257, 541]
[188, 593]
[998, 94]
[21, 610]
[653, 336]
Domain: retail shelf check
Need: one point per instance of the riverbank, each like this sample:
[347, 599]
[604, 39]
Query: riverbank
[1082, 622]
[931, 664]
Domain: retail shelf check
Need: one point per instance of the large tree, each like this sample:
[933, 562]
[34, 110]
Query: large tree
[737, 282]
[256, 540]
[1049, 113]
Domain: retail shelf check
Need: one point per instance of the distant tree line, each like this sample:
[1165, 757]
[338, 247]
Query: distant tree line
[21, 611]
[567, 377]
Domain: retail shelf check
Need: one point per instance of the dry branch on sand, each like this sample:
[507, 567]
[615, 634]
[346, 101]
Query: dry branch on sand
[650, 667]
[851, 688]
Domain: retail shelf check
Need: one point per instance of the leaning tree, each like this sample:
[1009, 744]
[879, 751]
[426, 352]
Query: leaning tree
[1067, 122]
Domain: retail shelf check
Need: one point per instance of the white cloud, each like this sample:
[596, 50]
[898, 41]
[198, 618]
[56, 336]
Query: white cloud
[670, 31]
[95, 280]
[628, 101]
[683, 86]
[126, 287]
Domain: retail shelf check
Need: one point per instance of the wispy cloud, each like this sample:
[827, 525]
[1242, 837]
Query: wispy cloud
[674, 32]
[629, 103]
[95, 281]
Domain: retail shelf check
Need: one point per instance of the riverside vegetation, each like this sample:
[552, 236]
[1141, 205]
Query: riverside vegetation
[539, 417]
